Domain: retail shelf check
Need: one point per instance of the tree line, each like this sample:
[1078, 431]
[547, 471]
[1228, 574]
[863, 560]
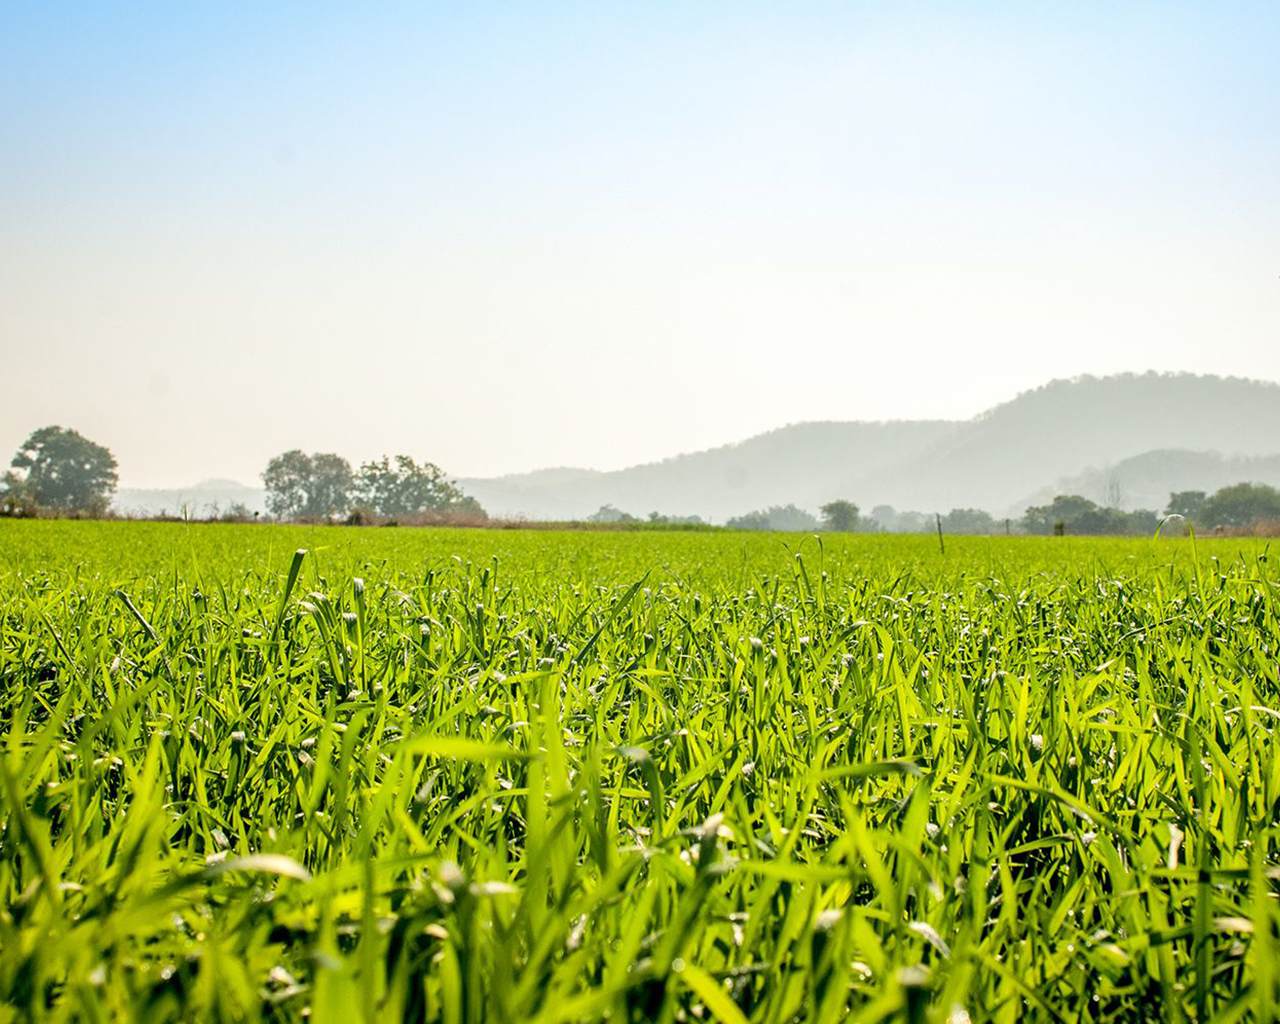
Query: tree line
[1240, 506]
[1236, 507]
[324, 486]
[62, 470]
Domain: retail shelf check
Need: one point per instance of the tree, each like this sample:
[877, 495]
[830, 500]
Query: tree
[302, 486]
[888, 519]
[749, 521]
[662, 518]
[1068, 509]
[783, 518]
[968, 520]
[61, 468]
[840, 516]
[1072, 514]
[1241, 505]
[1188, 504]
[330, 486]
[406, 488]
[1113, 496]
[609, 514]
[15, 496]
[287, 479]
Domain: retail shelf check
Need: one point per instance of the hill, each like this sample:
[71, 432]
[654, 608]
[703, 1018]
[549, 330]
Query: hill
[1068, 427]
[1129, 438]
[996, 461]
[803, 463]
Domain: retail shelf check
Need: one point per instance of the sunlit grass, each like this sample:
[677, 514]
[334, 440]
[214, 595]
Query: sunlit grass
[469, 776]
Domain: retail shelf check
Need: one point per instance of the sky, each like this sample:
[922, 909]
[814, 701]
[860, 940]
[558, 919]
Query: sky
[506, 236]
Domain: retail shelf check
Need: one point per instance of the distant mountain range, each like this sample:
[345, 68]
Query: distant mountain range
[1129, 439]
[1135, 437]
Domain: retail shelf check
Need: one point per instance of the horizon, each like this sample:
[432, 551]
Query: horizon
[256, 481]
[570, 236]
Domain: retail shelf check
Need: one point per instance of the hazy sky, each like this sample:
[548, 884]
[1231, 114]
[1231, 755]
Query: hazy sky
[505, 236]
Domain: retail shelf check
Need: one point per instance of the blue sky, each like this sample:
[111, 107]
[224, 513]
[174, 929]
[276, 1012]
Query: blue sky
[514, 235]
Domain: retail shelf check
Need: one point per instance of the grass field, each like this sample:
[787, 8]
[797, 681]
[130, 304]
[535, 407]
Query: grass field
[474, 776]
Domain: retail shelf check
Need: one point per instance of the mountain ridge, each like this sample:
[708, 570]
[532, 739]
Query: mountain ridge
[993, 461]
[1083, 434]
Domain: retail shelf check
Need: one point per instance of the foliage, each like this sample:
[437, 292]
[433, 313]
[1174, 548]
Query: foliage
[663, 519]
[16, 498]
[968, 520]
[609, 514]
[302, 486]
[1240, 505]
[569, 777]
[408, 488]
[237, 512]
[61, 469]
[1188, 504]
[840, 516]
[778, 518]
[890, 520]
[1072, 514]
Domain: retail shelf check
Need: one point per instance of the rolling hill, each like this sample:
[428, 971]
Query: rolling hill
[795, 464]
[1031, 445]
[1132, 438]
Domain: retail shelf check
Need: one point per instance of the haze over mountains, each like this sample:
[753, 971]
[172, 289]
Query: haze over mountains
[1129, 439]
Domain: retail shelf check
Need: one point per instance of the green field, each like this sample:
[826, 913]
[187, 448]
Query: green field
[476, 776]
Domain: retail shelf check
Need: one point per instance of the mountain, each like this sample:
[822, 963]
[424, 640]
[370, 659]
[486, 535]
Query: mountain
[202, 500]
[996, 461]
[1068, 426]
[796, 464]
[1131, 439]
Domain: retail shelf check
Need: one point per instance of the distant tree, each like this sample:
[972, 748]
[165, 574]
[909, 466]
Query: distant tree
[1113, 496]
[1065, 509]
[840, 516]
[782, 518]
[16, 498]
[749, 521]
[888, 519]
[609, 514]
[287, 480]
[405, 488]
[237, 512]
[886, 516]
[1141, 521]
[914, 522]
[1188, 504]
[968, 521]
[331, 481]
[663, 519]
[302, 486]
[1072, 514]
[1241, 505]
[61, 468]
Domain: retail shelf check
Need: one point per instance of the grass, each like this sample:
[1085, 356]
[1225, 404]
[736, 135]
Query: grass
[471, 776]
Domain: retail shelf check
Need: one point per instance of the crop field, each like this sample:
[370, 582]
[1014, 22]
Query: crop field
[268, 773]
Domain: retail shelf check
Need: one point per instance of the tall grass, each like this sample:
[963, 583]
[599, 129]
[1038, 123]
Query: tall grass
[466, 776]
